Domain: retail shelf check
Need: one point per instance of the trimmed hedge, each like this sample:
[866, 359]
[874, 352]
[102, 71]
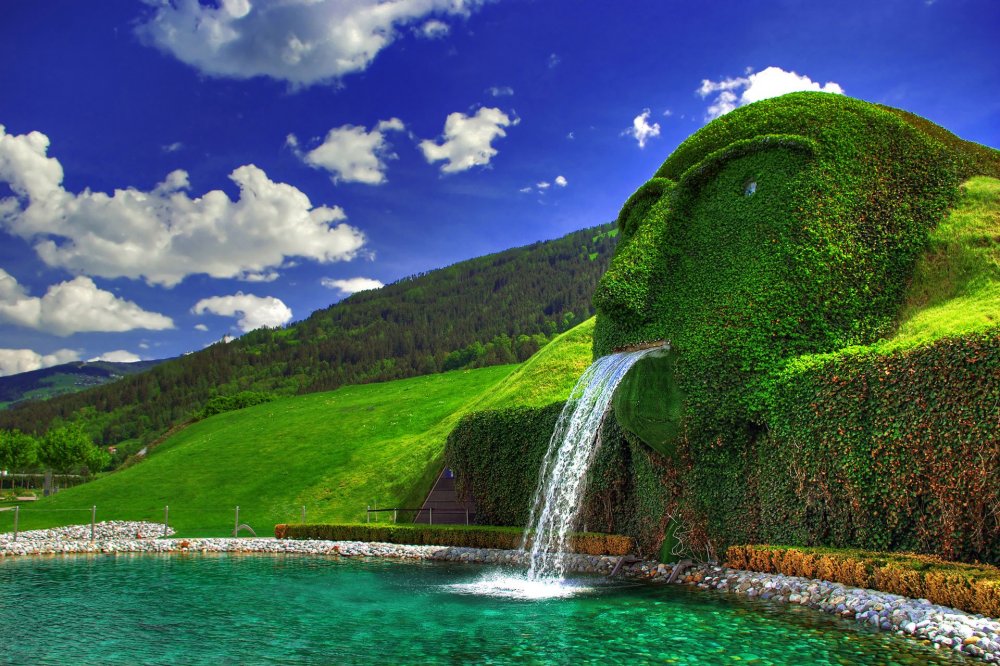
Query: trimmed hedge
[885, 451]
[972, 588]
[506, 538]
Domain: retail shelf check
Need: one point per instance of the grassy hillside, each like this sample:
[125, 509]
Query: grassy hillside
[334, 452]
[493, 310]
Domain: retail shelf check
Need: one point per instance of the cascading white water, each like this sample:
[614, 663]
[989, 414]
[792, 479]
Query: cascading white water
[564, 470]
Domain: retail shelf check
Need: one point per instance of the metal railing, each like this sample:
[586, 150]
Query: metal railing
[429, 511]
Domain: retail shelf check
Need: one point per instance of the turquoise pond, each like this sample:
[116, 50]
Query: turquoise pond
[297, 609]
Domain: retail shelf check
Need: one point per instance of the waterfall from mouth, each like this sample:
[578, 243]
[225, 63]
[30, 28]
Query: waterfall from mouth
[574, 442]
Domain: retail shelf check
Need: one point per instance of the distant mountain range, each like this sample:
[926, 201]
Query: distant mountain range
[66, 378]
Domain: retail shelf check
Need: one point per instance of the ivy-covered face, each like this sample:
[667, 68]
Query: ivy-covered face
[765, 236]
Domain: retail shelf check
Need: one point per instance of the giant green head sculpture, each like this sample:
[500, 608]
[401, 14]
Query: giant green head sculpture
[786, 227]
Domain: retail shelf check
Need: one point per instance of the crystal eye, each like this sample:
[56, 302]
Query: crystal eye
[750, 188]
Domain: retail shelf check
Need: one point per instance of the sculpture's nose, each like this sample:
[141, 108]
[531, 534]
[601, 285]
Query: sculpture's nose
[649, 403]
[623, 292]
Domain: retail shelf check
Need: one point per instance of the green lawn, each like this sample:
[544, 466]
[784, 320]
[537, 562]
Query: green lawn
[333, 452]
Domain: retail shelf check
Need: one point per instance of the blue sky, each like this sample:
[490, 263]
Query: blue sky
[175, 172]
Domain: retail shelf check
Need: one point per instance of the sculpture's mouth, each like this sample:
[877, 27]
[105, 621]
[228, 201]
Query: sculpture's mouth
[639, 346]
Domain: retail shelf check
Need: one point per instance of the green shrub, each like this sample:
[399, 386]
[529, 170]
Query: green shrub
[229, 403]
[505, 538]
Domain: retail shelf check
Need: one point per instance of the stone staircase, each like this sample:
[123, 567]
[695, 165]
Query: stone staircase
[443, 506]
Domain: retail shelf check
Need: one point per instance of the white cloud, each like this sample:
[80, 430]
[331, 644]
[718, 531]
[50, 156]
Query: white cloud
[433, 29]
[117, 356]
[641, 130]
[467, 139]
[543, 185]
[561, 181]
[500, 91]
[571, 136]
[200, 327]
[253, 311]
[164, 235]
[74, 306]
[300, 41]
[173, 147]
[14, 361]
[765, 84]
[351, 285]
[526, 190]
[554, 61]
[351, 154]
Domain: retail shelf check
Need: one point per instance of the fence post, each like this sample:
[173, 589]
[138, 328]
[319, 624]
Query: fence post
[166, 519]
[368, 513]
[236, 529]
[466, 515]
[394, 515]
[303, 514]
[93, 520]
[430, 518]
[17, 510]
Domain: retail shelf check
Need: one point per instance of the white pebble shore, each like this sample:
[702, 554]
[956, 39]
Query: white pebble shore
[944, 628]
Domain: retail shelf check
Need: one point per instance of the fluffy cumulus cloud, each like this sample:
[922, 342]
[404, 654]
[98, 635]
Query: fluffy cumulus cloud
[561, 181]
[352, 285]
[641, 130]
[14, 361]
[117, 356]
[500, 91]
[729, 93]
[74, 306]
[468, 140]
[352, 154]
[253, 311]
[300, 41]
[164, 235]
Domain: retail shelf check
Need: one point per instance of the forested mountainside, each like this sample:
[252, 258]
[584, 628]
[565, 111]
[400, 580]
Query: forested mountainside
[65, 378]
[499, 308]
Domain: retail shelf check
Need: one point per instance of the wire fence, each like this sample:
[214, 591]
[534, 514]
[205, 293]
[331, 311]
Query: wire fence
[181, 520]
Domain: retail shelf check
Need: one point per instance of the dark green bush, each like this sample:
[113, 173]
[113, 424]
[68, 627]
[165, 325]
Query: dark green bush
[229, 403]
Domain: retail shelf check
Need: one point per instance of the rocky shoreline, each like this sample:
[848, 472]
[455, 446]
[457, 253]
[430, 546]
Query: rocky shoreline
[944, 628]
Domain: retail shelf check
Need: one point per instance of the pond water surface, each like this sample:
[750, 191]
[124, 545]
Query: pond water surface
[297, 609]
